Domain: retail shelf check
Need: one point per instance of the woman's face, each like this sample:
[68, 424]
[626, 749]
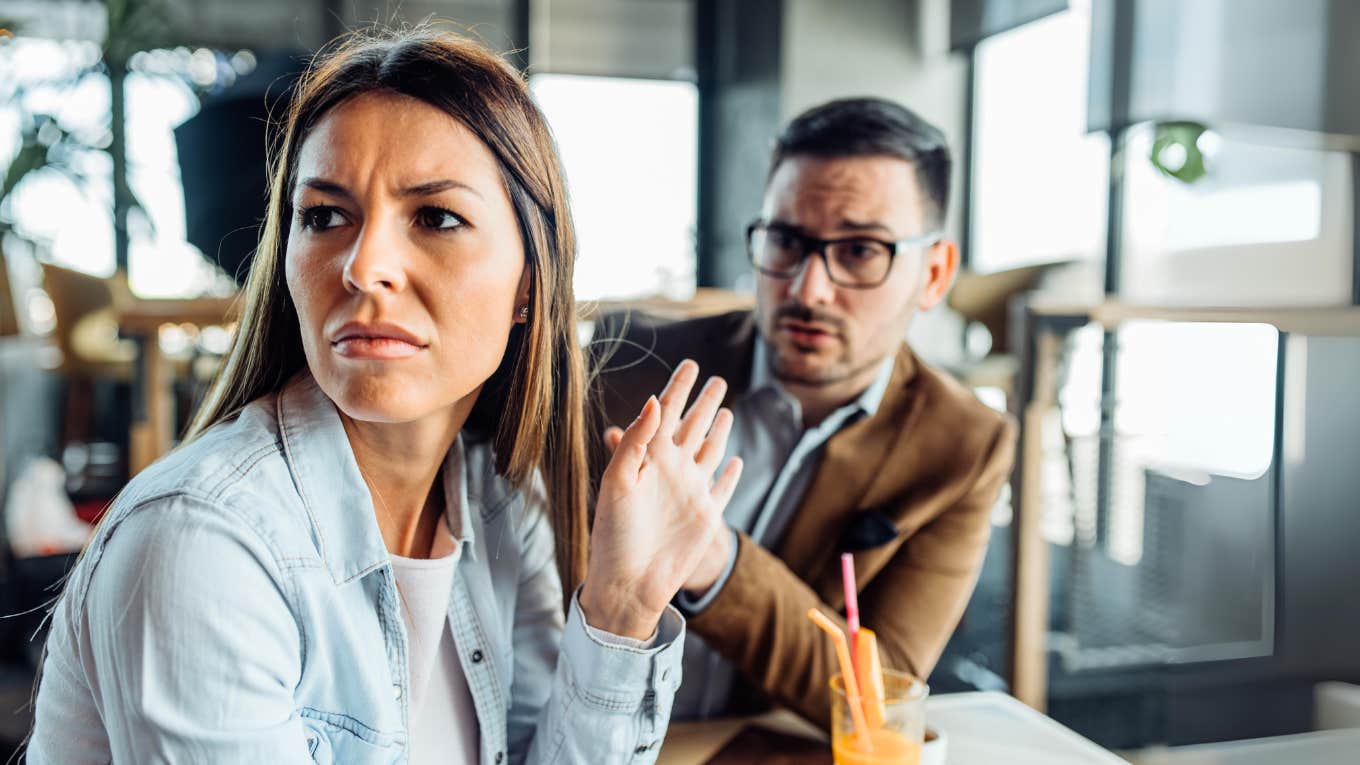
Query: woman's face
[404, 259]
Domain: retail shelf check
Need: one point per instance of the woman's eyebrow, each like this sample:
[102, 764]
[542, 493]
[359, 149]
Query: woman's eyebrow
[419, 190]
[327, 187]
[434, 187]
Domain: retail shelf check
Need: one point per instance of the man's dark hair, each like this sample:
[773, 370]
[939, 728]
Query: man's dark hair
[859, 127]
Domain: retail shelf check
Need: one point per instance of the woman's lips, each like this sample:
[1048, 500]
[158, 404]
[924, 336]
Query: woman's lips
[380, 348]
[375, 340]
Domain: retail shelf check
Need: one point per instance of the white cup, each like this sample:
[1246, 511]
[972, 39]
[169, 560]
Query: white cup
[933, 751]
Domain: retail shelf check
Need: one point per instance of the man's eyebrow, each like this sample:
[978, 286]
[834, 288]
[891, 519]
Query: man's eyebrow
[870, 225]
[419, 190]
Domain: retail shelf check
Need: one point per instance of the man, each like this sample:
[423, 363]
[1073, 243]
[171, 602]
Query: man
[849, 442]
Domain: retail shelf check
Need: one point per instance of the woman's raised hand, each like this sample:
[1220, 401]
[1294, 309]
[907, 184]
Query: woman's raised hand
[659, 507]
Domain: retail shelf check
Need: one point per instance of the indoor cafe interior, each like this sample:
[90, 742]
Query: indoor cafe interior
[1143, 281]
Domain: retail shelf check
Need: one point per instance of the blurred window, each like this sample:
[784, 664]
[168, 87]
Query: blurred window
[1264, 225]
[1195, 400]
[69, 211]
[629, 148]
[1039, 180]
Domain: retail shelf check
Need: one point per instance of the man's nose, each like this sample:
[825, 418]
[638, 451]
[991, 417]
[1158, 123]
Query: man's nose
[812, 284]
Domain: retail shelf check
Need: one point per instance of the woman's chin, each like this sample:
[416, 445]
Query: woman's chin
[385, 398]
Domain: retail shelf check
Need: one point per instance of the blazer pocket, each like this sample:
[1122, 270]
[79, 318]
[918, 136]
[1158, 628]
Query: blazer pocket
[867, 529]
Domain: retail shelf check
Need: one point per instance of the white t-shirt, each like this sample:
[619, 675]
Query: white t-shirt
[443, 720]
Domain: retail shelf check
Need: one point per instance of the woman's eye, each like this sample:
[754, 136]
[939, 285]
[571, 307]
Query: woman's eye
[437, 218]
[321, 217]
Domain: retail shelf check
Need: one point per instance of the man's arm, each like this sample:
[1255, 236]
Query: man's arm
[759, 619]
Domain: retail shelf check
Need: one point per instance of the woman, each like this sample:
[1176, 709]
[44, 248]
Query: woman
[361, 553]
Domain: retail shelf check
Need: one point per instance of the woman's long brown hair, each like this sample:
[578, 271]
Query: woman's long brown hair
[532, 408]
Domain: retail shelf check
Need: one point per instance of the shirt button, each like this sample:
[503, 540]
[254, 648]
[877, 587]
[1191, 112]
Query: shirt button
[499, 756]
[396, 691]
[477, 659]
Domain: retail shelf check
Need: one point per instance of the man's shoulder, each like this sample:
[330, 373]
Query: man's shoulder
[944, 430]
[634, 353]
[672, 339]
[950, 401]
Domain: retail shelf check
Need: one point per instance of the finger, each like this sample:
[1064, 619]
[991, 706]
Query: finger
[612, 436]
[632, 447]
[726, 484]
[711, 451]
[699, 419]
[675, 394]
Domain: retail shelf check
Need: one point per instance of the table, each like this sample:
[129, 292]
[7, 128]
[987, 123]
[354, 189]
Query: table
[984, 728]
[152, 430]
[1323, 747]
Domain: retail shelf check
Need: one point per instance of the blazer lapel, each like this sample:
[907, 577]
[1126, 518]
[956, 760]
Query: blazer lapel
[856, 466]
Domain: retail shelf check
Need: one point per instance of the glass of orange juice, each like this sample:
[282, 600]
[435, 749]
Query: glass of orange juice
[894, 738]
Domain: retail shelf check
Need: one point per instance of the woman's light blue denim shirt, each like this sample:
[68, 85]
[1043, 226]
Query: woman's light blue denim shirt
[238, 605]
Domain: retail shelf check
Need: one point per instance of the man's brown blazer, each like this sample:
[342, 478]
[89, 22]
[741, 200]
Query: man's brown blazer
[930, 462]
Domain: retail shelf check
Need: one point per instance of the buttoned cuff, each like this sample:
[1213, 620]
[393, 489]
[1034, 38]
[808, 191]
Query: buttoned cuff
[616, 673]
[692, 606]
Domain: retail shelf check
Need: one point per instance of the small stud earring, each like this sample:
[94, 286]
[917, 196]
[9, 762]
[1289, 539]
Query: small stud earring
[524, 313]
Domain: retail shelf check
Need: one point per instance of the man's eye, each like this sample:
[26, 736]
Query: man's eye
[862, 250]
[784, 240]
[321, 217]
[438, 218]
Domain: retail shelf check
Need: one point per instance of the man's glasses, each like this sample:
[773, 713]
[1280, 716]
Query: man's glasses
[780, 250]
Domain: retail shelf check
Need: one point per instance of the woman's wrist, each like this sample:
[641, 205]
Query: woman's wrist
[617, 615]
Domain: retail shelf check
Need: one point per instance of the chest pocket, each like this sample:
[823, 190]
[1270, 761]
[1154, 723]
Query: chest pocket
[335, 738]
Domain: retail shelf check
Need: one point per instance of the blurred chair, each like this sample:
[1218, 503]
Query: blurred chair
[9, 313]
[87, 336]
[87, 323]
[985, 298]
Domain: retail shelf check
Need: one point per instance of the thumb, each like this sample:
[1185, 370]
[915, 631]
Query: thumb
[612, 436]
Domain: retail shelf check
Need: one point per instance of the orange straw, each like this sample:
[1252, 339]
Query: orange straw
[870, 676]
[862, 741]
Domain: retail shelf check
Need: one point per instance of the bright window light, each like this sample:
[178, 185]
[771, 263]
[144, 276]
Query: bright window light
[73, 221]
[1039, 179]
[630, 151]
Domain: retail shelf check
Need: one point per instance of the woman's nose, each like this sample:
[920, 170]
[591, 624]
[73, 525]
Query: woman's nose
[376, 262]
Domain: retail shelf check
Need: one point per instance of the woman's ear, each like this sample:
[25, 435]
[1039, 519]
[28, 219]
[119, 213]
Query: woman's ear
[522, 298]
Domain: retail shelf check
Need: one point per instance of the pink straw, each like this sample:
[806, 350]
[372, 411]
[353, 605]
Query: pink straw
[851, 603]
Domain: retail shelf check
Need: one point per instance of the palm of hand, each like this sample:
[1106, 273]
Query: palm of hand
[659, 507]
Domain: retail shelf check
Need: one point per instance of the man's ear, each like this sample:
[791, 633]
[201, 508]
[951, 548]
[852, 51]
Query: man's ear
[942, 265]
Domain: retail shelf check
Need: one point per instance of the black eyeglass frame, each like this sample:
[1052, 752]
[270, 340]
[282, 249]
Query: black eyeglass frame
[811, 245]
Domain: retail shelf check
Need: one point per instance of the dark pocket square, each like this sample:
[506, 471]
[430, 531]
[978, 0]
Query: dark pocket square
[867, 530]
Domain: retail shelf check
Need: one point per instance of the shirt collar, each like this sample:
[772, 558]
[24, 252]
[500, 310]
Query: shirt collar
[334, 494]
[762, 378]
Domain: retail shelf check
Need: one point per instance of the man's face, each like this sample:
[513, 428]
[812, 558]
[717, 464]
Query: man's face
[822, 333]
